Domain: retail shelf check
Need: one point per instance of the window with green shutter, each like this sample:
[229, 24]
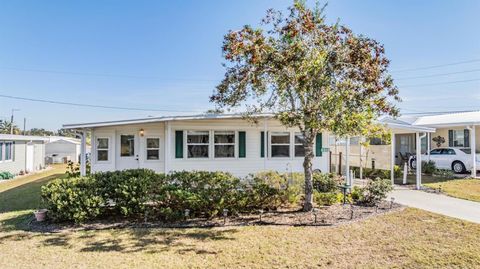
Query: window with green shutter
[262, 144]
[318, 145]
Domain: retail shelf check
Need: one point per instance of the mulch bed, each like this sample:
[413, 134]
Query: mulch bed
[325, 216]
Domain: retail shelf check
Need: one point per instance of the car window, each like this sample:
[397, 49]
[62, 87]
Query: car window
[435, 151]
[467, 151]
[448, 152]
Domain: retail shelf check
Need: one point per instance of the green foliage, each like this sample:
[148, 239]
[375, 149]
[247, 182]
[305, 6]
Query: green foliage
[73, 169]
[374, 173]
[375, 191]
[357, 194]
[445, 173]
[6, 175]
[327, 198]
[289, 187]
[326, 182]
[125, 190]
[73, 199]
[429, 168]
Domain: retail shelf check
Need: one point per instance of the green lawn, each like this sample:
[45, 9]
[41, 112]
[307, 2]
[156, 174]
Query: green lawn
[468, 189]
[409, 238]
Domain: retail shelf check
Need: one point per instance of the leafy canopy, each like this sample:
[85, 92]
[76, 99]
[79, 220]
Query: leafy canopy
[310, 74]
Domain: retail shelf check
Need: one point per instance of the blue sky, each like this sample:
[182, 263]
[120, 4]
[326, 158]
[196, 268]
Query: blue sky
[167, 54]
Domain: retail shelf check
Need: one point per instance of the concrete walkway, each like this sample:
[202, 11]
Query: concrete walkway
[438, 203]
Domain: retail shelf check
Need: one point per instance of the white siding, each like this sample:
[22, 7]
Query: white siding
[61, 149]
[238, 166]
[18, 163]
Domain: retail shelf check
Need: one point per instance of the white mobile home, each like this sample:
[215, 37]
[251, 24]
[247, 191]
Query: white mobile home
[19, 153]
[60, 149]
[206, 142]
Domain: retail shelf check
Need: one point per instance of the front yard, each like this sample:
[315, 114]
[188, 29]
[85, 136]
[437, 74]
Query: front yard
[468, 189]
[407, 238]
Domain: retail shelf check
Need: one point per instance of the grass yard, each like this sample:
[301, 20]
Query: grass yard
[468, 189]
[409, 238]
[24, 192]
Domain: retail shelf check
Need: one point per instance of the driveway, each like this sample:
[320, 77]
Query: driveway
[438, 203]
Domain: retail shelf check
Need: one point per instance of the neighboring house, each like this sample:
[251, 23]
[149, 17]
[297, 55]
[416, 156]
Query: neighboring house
[224, 142]
[60, 149]
[454, 130]
[19, 153]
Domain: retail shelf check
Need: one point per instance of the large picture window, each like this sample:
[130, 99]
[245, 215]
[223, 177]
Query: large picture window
[127, 145]
[197, 144]
[102, 149]
[8, 151]
[153, 148]
[280, 144]
[224, 144]
[299, 148]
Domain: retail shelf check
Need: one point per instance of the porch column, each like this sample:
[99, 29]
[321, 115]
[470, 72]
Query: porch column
[392, 159]
[360, 141]
[419, 159]
[265, 145]
[167, 146]
[473, 147]
[83, 153]
[347, 161]
[429, 139]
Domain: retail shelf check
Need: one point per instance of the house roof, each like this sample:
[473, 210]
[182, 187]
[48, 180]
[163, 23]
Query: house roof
[63, 138]
[449, 119]
[159, 119]
[22, 137]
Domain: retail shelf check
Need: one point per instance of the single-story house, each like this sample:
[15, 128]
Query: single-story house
[211, 142]
[60, 149]
[20, 153]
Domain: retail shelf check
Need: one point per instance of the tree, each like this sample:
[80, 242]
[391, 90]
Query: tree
[40, 132]
[311, 75]
[5, 127]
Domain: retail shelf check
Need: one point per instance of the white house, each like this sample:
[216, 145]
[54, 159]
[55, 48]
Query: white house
[21, 153]
[60, 149]
[209, 142]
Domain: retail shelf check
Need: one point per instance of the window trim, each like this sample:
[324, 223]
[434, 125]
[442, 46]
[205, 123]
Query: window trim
[147, 148]
[235, 145]
[107, 149]
[270, 144]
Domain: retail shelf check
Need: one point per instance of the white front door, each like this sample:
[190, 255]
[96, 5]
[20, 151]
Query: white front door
[29, 163]
[127, 151]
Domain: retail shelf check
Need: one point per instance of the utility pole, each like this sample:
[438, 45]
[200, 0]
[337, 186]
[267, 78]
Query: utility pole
[24, 125]
[11, 120]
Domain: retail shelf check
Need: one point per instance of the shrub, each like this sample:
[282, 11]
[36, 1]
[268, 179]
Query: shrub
[326, 182]
[375, 191]
[203, 193]
[6, 175]
[288, 188]
[327, 198]
[74, 199]
[126, 191]
[73, 169]
[381, 173]
[356, 194]
[429, 167]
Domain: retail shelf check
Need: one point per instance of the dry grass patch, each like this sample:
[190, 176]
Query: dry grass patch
[408, 238]
[468, 189]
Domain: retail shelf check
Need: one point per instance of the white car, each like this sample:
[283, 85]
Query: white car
[457, 159]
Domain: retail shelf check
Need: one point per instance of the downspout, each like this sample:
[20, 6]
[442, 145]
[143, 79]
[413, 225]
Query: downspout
[83, 152]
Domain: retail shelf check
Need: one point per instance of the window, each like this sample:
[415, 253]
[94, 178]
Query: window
[377, 141]
[224, 143]
[127, 145]
[448, 152]
[153, 148]
[102, 149]
[197, 144]
[459, 138]
[436, 152]
[299, 149]
[1, 151]
[280, 144]
[8, 151]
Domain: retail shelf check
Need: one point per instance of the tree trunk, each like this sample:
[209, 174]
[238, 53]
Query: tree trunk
[307, 167]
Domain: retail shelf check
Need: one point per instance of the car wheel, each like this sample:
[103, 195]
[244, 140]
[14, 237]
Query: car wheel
[413, 163]
[458, 167]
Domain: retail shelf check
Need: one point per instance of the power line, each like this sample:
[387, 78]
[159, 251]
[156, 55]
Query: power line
[88, 105]
[439, 83]
[104, 74]
[435, 66]
[441, 74]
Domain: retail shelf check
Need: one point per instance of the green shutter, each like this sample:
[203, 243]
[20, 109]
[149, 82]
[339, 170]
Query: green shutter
[450, 138]
[262, 144]
[242, 145]
[318, 145]
[178, 144]
[466, 138]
